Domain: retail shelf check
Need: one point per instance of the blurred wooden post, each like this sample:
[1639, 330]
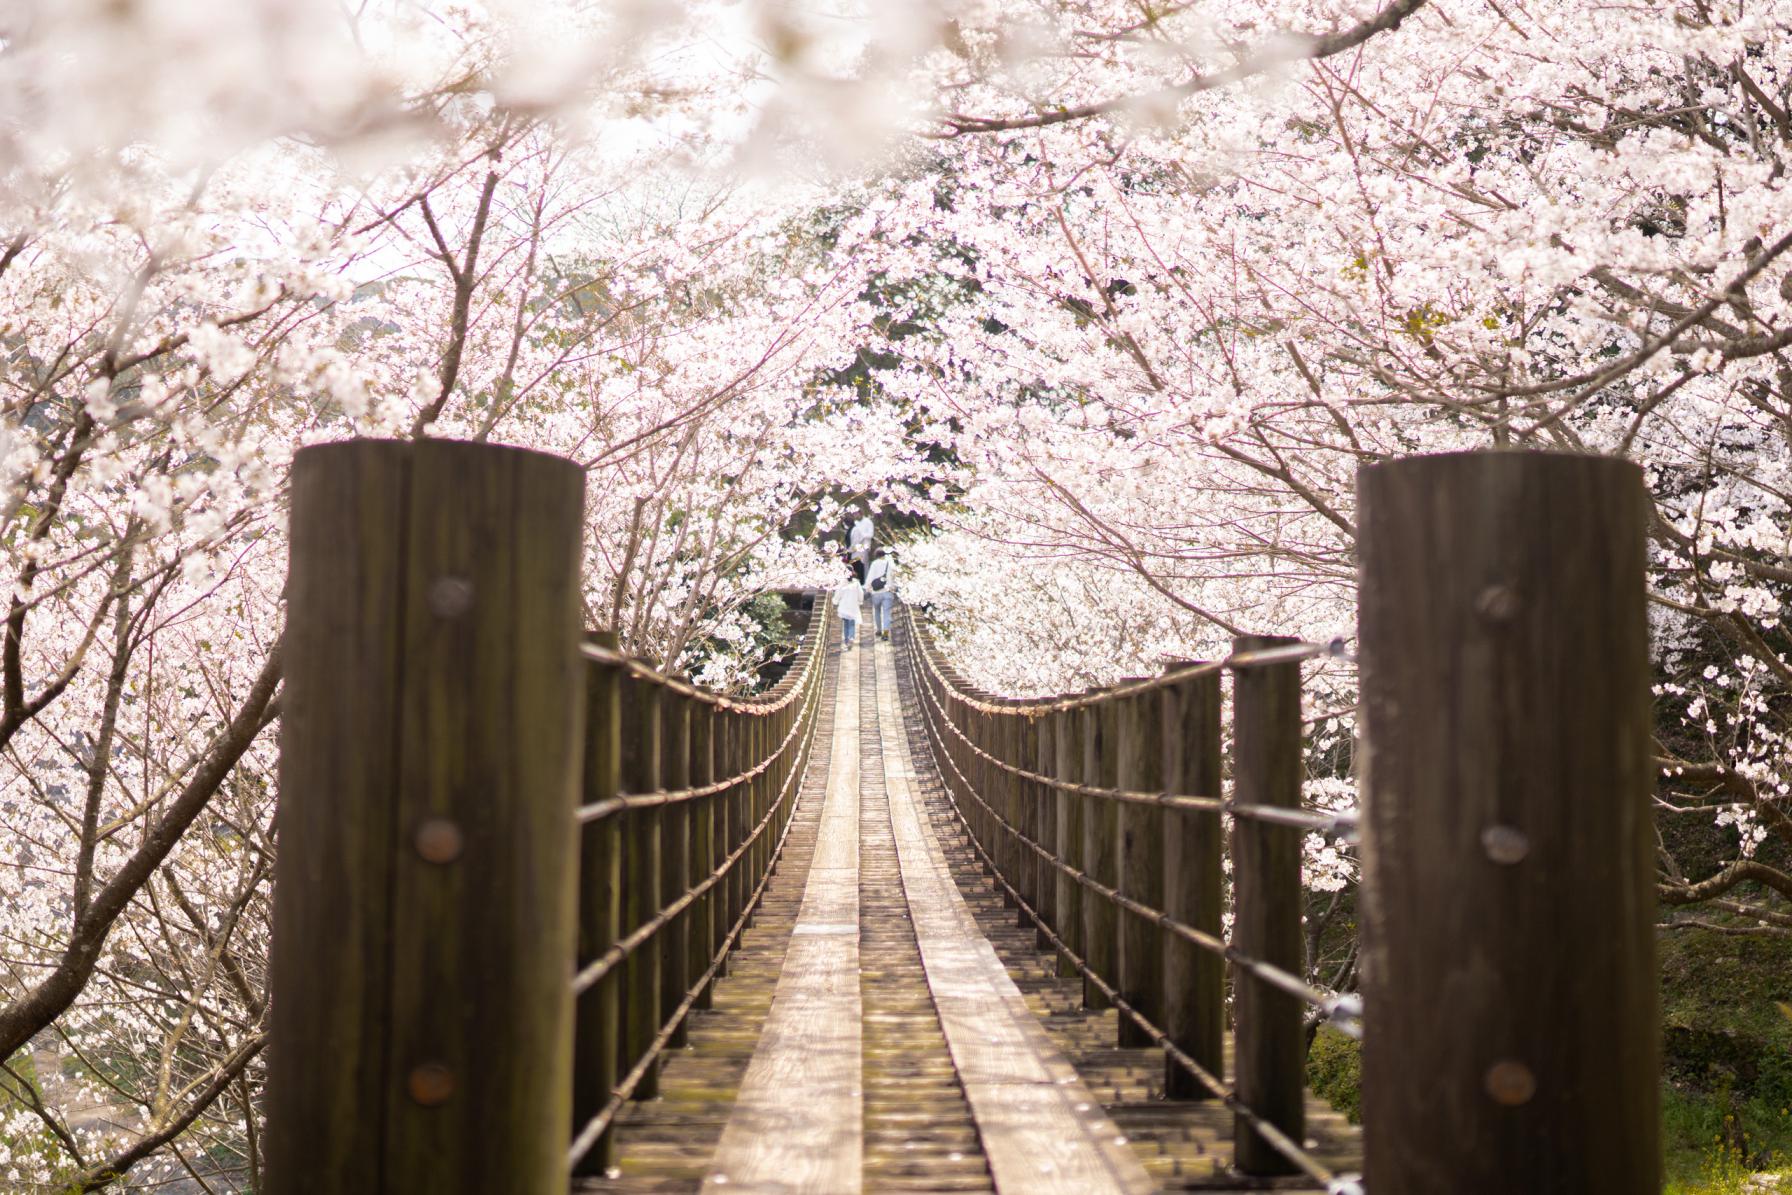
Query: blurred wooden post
[1020, 803]
[1067, 751]
[430, 759]
[599, 1010]
[1268, 1037]
[1512, 1032]
[1045, 882]
[703, 847]
[735, 803]
[1194, 978]
[1101, 833]
[675, 862]
[1139, 767]
[756, 804]
[641, 840]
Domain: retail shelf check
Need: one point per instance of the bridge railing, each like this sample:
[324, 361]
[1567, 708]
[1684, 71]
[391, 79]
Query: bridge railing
[512, 860]
[1100, 816]
[1508, 1011]
[502, 848]
[688, 797]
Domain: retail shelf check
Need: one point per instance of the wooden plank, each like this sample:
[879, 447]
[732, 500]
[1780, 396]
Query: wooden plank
[1508, 856]
[1042, 1130]
[798, 1123]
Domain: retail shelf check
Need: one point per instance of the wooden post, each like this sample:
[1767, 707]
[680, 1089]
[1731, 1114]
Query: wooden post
[641, 863]
[756, 801]
[1512, 1032]
[1067, 751]
[734, 805]
[703, 847]
[432, 718]
[675, 862]
[1017, 752]
[1268, 1038]
[1194, 978]
[1101, 854]
[598, 1016]
[1045, 882]
[1139, 767]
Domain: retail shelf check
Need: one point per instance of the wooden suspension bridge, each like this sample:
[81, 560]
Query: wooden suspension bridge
[548, 920]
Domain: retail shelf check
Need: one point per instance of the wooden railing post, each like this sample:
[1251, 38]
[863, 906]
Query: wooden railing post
[1139, 767]
[704, 941]
[1045, 825]
[1067, 750]
[1194, 979]
[432, 711]
[1269, 1039]
[675, 865]
[1018, 795]
[1511, 1035]
[762, 803]
[1101, 854]
[599, 1010]
[735, 738]
[641, 863]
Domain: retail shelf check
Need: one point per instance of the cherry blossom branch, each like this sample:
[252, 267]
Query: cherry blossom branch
[1278, 51]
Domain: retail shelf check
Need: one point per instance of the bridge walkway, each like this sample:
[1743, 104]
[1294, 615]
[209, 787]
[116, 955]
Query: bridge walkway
[887, 1025]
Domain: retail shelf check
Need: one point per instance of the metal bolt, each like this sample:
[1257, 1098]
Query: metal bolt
[1505, 844]
[450, 597]
[1510, 1083]
[431, 1084]
[438, 840]
[1497, 603]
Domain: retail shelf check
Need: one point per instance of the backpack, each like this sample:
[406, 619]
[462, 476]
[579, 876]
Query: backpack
[878, 583]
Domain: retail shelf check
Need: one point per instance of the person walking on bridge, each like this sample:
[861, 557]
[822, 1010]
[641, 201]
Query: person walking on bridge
[848, 596]
[880, 583]
[858, 541]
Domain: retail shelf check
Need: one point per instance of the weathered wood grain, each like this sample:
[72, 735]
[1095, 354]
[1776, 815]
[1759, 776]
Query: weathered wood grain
[1508, 949]
[1139, 767]
[1194, 979]
[1267, 769]
[430, 766]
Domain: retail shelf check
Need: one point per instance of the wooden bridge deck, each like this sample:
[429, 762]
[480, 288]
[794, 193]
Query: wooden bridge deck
[886, 1025]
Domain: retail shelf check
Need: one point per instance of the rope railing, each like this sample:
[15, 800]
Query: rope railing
[1070, 804]
[594, 1130]
[604, 964]
[598, 810]
[689, 800]
[1210, 1081]
[474, 804]
[1341, 1008]
[1340, 824]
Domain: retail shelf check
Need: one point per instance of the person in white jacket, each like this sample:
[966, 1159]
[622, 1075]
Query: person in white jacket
[880, 583]
[858, 541]
[847, 597]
